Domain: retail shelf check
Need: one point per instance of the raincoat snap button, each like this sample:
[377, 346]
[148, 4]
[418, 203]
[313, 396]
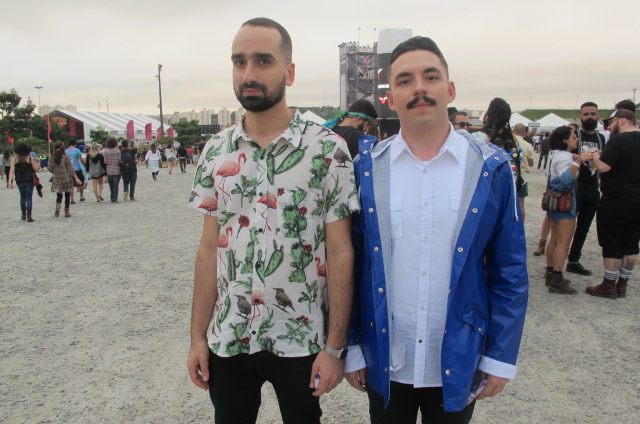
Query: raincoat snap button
[485, 174]
[460, 249]
[384, 330]
[380, 290]
[366, 174]
[375, 249]
[370, 209]
[474, 210]
[447, 372]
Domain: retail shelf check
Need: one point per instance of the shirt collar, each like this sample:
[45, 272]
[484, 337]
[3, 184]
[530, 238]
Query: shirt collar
[452, 146]
[293, 133]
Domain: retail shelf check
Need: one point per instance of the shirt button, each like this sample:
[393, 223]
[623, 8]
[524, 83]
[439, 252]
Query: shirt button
[485, 174]
[375, 249]
[424, 274]
[426, 203]
[426, 239]
[366, 174]
[253, 332]
[422, 308]
[380, 290]
[370, 209]
[474, 210]
[447, 372]
[460, 249]
[426, 171]
[384, 330]
[419, 341]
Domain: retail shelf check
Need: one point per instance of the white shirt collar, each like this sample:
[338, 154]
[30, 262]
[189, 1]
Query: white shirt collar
[452, 146]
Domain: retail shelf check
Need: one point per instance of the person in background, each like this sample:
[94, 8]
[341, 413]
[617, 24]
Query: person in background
[64, 177]
[170, 154]
[526, 161]
[75, 155]
[190, 154]
[96, 167]
[129, 170]
[182, 157]
[153, 160]
[352, 123]
[6, 164]
[112, 157]
[562, 174]
[22, 168]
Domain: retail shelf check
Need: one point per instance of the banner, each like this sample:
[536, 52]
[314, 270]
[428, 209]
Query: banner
[171, 133]
[130, 130]
[159, 134]
[49, 130]
[147, 131]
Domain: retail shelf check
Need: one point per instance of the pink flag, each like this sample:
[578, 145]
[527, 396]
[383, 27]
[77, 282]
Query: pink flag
[171, 133]
[159, 133]
[130, 130]
[147, 131]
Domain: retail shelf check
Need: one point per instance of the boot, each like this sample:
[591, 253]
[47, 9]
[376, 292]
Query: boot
[29, 219]
[540, 250]
[621, 287]
[24, 215]
[547, 275]
[605, 289]
[126, 196]
[559, 284]
[67, 214]
[58, 205]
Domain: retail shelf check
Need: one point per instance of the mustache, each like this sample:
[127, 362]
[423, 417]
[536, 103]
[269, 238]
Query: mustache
[253, 85]
[424, 98]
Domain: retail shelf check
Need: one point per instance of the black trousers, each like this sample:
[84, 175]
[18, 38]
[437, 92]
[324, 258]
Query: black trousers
[586, 208]
[405, 402]
[235, 384]
[544, 155]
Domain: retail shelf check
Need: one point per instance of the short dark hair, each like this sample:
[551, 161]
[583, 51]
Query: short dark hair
[22, 149]
[558, 137]
[285, 43]
[124, 144]
[364, 106]
[112, 142]
[626, 104]
[452, 117]
[417, 43]
[73, 142]
[588, 104]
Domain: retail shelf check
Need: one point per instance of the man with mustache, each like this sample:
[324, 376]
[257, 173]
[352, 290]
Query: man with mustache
[274, 267]
[618, 218]
[441, 280]
[587, 192]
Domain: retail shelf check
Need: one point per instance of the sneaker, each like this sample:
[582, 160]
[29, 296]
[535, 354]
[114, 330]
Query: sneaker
[82, 199]
[577, 268]
[133, 199]
[73, 202]
[101, 198]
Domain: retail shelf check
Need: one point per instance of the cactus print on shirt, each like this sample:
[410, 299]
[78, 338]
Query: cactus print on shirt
[272, 205]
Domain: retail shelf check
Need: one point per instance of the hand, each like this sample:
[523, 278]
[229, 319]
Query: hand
[198, 363]
[585, 156]
[11, 184]
[331, 371]
[494, 386]
[357, 379]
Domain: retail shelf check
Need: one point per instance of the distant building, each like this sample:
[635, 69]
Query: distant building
[357, 73]
[236, 116]
[224, 117]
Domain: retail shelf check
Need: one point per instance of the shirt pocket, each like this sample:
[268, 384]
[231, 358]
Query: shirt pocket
[453, 216]
[395, 208]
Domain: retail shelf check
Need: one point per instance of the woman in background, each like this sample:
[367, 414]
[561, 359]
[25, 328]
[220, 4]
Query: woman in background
[22, 168]
[64, 178]
[153, 159]
[96, 167]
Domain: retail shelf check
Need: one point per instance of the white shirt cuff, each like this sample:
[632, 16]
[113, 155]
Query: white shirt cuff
[355, 359]
[497, 368]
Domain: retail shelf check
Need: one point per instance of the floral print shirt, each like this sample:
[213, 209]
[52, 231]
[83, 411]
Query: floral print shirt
[272, 205]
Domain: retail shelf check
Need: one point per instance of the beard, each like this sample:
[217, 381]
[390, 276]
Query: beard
[260, 103]
[614, 129]
[589, 124]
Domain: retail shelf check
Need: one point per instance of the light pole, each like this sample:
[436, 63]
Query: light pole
[39, 87]
[160, 93]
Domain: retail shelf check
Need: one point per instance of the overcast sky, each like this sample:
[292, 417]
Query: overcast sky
[543, 53]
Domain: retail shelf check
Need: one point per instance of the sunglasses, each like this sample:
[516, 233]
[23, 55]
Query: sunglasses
[463, 124]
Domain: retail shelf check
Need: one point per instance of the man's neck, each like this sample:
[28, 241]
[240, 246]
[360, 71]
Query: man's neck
[628, 128]
[264, 127]
[425, 141]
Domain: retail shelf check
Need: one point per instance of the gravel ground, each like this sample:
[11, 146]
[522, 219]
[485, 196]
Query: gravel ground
[96, 311]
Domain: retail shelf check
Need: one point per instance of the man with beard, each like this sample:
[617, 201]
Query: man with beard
[277, 196]
[587, 191]
[442, 290]
[618, 219]
[353, 123]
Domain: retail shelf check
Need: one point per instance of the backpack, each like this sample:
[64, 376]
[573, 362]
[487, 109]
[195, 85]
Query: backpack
[127, 162]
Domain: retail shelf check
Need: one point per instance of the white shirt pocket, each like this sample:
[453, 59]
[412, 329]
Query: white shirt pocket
[396, 215]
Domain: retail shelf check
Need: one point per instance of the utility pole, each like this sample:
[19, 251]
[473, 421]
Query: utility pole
[634, 95]
[160, 93]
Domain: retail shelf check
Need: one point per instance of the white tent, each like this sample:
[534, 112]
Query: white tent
[551, 122]
[310, 116]
[516, 118]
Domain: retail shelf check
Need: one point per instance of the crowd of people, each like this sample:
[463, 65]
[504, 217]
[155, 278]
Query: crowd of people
[74, 166]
